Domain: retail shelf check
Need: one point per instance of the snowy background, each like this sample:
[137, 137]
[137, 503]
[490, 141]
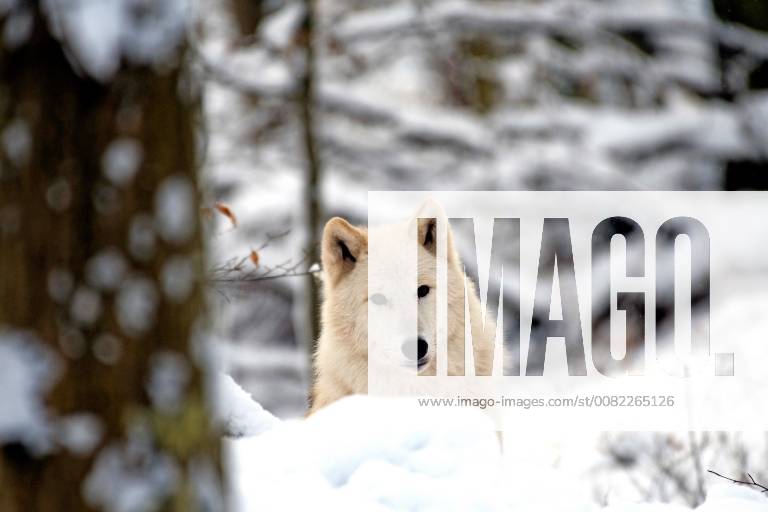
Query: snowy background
[462, 96]
[465, 95]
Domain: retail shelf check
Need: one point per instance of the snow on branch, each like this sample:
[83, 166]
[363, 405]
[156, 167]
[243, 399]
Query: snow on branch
[281, 90]
[498, 20]
[748, 41]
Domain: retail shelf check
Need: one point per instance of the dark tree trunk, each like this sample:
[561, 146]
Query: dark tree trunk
[247, 14]
[750, 13]
[313, 172]
[114, 324]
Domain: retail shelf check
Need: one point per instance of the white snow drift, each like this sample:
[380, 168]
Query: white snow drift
[379, 454]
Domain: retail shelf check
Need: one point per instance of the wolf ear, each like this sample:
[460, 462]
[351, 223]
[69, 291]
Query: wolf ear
[342, 246]
[428, 234]
[428, 216]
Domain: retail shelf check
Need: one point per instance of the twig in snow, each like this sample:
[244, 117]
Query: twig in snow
[751, 483]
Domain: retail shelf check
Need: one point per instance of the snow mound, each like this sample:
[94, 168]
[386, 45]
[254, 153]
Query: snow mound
[726, 497]
[237, 413]
[370, 454]
[377, 454]
[720, 498]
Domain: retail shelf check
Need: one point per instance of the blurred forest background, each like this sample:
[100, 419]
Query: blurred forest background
[292, 111]
[475, 95]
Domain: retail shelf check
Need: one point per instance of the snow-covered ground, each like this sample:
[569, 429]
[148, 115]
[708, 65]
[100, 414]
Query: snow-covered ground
[378, 454]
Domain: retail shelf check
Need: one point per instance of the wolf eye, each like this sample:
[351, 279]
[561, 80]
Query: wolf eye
[378, 299]
[423, 291]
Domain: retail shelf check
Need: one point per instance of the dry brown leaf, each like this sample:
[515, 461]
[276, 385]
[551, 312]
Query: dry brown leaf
[254, 257]
[227, 212]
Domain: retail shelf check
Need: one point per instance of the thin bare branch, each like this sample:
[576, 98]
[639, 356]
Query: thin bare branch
[750, 483]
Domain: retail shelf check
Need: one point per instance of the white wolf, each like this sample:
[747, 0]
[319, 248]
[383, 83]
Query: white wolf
[341, 360]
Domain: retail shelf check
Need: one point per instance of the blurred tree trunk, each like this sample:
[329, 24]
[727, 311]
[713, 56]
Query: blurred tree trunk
[100, 254]
[744, 75]
[313, 173]
[248, 14]
[750, 13]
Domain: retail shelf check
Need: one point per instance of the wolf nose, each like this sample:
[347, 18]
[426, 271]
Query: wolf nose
[423, 348]
[415, 351]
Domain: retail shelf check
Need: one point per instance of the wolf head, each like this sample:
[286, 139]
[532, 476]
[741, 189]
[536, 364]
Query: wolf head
[405, 316]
